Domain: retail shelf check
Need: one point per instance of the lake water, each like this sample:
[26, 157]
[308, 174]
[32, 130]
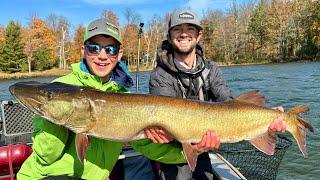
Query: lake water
[285, 85]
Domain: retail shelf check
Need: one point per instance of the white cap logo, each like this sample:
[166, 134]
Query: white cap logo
[186, 15]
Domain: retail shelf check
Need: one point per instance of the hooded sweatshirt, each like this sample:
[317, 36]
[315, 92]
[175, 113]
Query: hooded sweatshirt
[170, 79]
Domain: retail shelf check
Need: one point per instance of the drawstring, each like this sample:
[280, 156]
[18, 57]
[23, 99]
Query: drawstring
[205, 89]
[186, 94]
[190, 86]
[183, 90]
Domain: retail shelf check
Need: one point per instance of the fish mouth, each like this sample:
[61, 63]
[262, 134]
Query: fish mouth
[32, 104]
[35, 106]
[21, 95]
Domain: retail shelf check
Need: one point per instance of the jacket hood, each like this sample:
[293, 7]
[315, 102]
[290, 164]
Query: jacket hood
[165, 59]
[120, 73]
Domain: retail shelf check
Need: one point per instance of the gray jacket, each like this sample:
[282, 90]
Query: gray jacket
[167, 80]
[206, 79]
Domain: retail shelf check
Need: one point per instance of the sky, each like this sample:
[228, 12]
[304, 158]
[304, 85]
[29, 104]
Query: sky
[84, 11]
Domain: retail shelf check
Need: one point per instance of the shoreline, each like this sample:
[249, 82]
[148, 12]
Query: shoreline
[61, 72]
[46, 73]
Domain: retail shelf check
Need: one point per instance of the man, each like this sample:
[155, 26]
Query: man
[182, 71]
[54, 153]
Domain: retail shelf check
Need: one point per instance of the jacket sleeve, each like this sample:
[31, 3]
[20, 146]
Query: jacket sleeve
[218, 85]
[169, 153]
[48, 141]
[161, 84]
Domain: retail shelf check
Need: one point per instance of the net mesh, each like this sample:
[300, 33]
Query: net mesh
[251, 162]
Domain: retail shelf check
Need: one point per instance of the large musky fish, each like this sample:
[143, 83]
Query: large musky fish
[124, 116]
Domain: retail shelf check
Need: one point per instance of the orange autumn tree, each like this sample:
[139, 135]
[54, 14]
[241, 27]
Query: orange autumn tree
[75, 49]
[110, 16]
[43, 44]
[214, 36]
[130, 37]
[28, 47]
[130, 43]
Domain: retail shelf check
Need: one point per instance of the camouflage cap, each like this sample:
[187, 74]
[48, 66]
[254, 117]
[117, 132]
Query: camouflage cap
[184, 16]
[102, 26]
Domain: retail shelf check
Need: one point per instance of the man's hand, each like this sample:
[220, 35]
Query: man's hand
[158, 135]
[209, 141]
[278, 124]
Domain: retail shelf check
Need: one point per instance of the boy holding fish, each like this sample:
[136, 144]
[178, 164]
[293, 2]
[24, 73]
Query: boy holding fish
[54, 148]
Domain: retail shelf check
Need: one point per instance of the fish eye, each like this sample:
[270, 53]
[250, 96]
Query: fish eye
[42, 91]
[50, 95]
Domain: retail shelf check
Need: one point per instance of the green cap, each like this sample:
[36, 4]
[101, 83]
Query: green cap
[184, 16]
[102, 26]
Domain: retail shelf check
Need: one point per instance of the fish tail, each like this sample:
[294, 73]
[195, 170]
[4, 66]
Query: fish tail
[299, 126]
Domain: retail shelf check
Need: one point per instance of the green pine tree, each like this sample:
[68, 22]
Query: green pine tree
[41, 55]
[12, 55]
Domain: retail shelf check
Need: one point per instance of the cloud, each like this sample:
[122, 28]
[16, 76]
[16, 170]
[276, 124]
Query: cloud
[114, 2]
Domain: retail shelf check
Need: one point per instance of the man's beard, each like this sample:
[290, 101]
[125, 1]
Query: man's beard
[182, 51]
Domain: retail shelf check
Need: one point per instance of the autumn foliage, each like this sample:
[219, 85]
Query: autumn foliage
[75, 46]
[261, 32]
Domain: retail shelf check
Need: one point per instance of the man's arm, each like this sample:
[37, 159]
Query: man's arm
[48, 141]
[218, 85]
[167, 153]
[160, 84]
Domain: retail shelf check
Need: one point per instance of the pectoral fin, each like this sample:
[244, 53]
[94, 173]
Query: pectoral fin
[190, 155]
[82, 144]
[265, 142]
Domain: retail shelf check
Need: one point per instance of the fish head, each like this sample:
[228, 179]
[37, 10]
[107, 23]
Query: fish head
[54, 101]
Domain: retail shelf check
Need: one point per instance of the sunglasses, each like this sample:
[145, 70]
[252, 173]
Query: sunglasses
[96, 49]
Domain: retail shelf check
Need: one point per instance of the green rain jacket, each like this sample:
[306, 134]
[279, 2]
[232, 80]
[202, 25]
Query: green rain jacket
[54, 151]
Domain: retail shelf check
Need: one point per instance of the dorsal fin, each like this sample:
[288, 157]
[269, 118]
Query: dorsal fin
[252, 97]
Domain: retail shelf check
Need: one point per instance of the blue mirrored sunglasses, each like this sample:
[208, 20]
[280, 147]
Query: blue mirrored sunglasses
[96, 49]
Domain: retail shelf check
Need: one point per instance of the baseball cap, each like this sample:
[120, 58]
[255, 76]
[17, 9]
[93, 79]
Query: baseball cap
[102, 26]
[184, 16]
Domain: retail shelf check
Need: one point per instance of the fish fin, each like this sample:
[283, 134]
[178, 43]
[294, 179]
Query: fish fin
[299, 131]
[82, 143]
[190, 155]
[299, 109]
[302, 109]
[265, 142]
[139, 135]
[252, 97]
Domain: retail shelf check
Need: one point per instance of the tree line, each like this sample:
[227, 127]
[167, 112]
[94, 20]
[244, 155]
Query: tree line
[266, 31]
